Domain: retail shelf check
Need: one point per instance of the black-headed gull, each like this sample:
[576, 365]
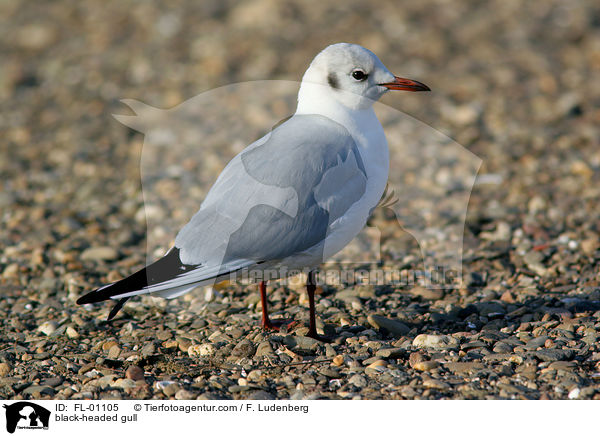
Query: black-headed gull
[291, 199]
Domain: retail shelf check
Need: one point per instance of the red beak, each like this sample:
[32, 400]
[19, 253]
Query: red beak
[400, 84]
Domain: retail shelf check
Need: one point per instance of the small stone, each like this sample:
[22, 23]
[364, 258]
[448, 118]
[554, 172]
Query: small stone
[464, 367]
[5, 369]
[53, 381]
[134, 372]
[439, 342]
[11, 271]
[536, 204]
[264, 349]
[330, 372]
[170, 344]
[48, 327]
[244, 348]
[358, 380]
[254, 375]
[589, 246]
[148, 350]
[183, 343]
[390, 353]
[507, 297]
[392, 326]
[183, 394]
[551, 355]
[379, 365]
[574, 393]
[108, 345]
[38, 390]
[426, 365]
[561, 365]
[536, 342]
[261, 395]
[516, 359]
[100, 254]
[301, 343]
[338, 360]
[428, 293]
[113, 352]
[171, 389]
[415, 357]
[201, 350]
[71, 333]
[436, 384]
[502, 348]
[123, 383]
[105, 381]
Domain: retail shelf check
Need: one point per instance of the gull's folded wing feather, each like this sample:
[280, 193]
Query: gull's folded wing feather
[279, 196]
[275, 199]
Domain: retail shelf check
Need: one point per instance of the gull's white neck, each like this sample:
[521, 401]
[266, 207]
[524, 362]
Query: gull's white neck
[362, 123]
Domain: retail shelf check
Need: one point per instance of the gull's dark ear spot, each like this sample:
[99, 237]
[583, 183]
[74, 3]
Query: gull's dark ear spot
[333, 80]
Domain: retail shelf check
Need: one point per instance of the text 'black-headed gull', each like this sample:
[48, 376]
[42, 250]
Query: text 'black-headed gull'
[291, 199]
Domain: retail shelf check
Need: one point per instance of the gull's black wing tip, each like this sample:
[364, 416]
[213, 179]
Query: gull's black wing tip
[166, 268]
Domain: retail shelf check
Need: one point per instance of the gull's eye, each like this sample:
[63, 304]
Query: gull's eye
[359, 75]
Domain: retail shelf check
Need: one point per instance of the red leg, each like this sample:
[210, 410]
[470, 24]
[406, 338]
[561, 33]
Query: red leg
[266, 323]
[311, 286]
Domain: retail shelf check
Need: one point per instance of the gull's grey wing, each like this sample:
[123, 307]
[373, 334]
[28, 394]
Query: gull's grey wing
[277, 197]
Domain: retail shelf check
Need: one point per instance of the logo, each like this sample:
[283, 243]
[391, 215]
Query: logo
[26, 415]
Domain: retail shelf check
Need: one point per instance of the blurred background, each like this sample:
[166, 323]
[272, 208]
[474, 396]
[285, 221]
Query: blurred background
[515, 82]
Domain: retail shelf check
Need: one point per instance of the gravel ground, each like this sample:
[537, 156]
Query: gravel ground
[516, 83]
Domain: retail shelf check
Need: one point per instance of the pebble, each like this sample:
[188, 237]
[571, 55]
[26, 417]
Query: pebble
[5, 369]
[428, 293]
[303, 343]
[464, 367]
[503, 348]
[113, 352]
[338, 360]
[38, 390]
[183, 394]
[264, 349]
[551, 355]
[183, 343]
[438, 342]
[244, 348]
[358, 380]
[123, 383]
[201, 350]
[100, 254]
[378, 365]
[11, 271]
[392, 326]
[134, 372]
[426, 365]
[48, 327]
[148, 350]
[71, 333]
[390, 353]
[436, 384]
[574, 393]
[53, 381]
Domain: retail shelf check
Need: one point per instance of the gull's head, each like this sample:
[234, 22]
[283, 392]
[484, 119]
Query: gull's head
[352, 75]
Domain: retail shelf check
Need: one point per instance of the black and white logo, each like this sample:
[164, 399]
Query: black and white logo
[26, 415]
